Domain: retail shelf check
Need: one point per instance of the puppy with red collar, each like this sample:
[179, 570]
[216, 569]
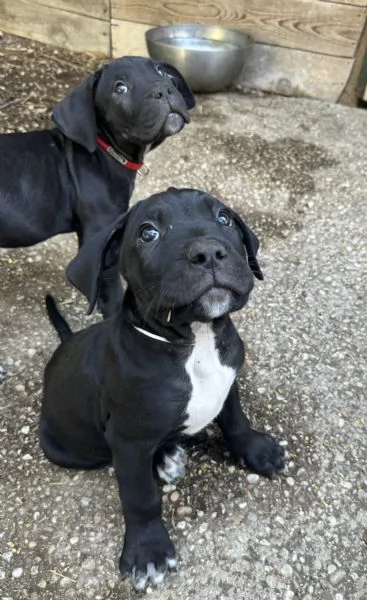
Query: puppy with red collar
[79, 176]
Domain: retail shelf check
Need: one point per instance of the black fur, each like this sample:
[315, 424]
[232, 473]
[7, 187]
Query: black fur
[59, 181]
[57, 319]
[112, 392]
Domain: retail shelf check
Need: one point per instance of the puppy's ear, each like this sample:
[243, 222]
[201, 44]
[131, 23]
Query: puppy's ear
[75, 114]
[251, 244]
[95, 256]
[180, 84]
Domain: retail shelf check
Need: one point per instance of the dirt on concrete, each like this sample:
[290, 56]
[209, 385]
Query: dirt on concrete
[295, 170]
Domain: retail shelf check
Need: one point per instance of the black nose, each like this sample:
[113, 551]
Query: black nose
[206, 252]
[161, 90]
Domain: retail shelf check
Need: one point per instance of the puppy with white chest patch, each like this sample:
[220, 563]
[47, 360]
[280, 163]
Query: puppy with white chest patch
[124, 390]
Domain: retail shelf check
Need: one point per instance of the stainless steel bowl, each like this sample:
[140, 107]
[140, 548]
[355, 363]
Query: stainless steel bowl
[209, 57]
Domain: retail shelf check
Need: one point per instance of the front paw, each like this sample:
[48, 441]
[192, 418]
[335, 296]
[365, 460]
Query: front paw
[147, 555]
[263, 454]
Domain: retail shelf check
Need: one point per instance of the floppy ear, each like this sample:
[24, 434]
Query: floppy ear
[251, 244]
[95, 256]
[75, 114]
[180, 84]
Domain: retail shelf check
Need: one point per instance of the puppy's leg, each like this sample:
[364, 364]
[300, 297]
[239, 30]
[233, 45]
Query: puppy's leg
[148, 551]
[61, 456]
[170, 461]
[260, 452]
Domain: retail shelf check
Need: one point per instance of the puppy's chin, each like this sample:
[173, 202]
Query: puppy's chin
[173, 124]
[213, 304]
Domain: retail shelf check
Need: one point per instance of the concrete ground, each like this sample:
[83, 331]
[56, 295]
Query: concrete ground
[296, 170]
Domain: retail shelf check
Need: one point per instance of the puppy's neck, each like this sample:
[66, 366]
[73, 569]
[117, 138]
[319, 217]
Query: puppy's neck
[164, 324]
[155, 324]
[133, 152]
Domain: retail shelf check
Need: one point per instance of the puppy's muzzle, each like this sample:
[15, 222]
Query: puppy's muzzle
[214, 288]
[178, 114]
[206, 253]
[161, 91]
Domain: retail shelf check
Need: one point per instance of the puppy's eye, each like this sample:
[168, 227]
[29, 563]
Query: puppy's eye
[149, 233]
[224, 218]
[160, 70]
[120, 88]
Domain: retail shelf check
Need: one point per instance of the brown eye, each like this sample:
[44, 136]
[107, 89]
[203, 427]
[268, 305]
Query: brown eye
[160, 71]
[149, 233]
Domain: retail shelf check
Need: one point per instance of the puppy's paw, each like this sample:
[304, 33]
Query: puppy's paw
[147, 555]
[263, 454]
[171, 465]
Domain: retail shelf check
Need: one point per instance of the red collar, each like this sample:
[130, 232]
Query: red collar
[141, 168]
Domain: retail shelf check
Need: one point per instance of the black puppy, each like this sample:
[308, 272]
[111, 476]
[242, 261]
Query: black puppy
[122, 391]
[80, 176]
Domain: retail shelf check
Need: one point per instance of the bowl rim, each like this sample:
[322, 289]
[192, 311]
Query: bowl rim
[244, 39]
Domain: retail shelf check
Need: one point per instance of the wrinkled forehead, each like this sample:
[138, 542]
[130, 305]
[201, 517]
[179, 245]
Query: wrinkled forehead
[132, 67]
[180, 207]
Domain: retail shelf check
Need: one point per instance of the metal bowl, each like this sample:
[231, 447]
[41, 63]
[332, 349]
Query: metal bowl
[209, 57]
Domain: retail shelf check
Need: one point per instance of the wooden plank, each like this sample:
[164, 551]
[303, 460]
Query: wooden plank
[296, 73]
[269, 68]
[53, 26]
[349, 2]
[128, 38]
[355, 85]
[98, 9]
[314, 25]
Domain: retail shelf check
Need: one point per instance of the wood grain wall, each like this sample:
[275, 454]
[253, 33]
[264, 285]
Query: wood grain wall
[313, 25]
[80, 25]
[305, 47]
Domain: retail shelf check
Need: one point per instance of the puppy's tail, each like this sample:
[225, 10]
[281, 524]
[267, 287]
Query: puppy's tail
[57, 319]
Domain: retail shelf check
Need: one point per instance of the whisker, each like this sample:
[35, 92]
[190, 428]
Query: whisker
[169, 308]
[147, 311]
[149, 287]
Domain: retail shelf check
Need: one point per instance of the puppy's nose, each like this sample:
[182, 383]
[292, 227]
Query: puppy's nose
[160, 91]
[206, 252]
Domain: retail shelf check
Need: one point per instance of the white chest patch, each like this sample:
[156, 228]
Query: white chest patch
[210, 380]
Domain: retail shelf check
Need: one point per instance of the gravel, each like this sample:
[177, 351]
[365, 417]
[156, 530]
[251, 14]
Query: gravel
[295, 169]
